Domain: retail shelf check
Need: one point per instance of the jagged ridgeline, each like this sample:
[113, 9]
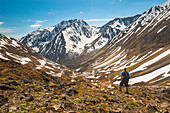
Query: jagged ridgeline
[70, 41]
[143, 47]
[74, 41]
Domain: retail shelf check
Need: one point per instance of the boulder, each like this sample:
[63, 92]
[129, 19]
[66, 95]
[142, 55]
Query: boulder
[3, 100]
[148, 106]
[28, 99]
[13, 83]
[165, 104]
[12, 108]
[56, 107]
[72, 92]
[38, 88]
[6, 88]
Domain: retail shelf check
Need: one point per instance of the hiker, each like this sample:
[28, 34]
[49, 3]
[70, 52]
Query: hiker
[124, 79]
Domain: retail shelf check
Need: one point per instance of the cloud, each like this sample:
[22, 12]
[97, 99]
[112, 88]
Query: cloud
[98, 20]
[6, 30]
[1, 23]
[39, 22]
[36, 25]
[14, 36]
[51, 13]
[115, 1]
[81, 12]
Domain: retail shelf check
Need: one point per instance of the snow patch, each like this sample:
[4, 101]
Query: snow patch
[38, 66]
[147, 77]
[57, 74]
[110, 87]
[42, 62]
[15, 44]
[48, 67]
[144, 66]
[50, 28]
[23, 60]
[161, 29]
[109, 61]
[1, 56]
[35, 49]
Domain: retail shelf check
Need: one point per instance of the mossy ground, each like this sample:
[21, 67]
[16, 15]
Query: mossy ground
[41, 97]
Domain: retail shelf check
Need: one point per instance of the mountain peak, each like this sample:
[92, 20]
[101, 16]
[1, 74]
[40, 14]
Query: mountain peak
[71, 21]
[166, 3]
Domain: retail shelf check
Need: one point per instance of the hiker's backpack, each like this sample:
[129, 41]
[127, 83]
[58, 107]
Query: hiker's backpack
[126, 75]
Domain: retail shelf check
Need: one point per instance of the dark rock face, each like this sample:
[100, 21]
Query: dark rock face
[55, 50]
[13, 83]
[72, 92]
[6, 88]
[3, 100]
[41, 33]
[167, 92]
[30, 99]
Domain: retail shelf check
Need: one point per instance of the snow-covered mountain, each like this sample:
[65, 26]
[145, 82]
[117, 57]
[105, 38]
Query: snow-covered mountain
[71, 38]
[115, 26]
[38, 38]
[112, 28]
[142, 23]
[12, 50]
[143, 48]
[67, 38]
[70, 41]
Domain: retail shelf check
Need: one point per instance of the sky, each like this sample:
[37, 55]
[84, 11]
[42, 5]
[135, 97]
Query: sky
[20, 17]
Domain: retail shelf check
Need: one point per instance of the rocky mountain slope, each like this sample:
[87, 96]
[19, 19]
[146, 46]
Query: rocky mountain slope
[12, 51]
[143, 48]
[72, 38]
